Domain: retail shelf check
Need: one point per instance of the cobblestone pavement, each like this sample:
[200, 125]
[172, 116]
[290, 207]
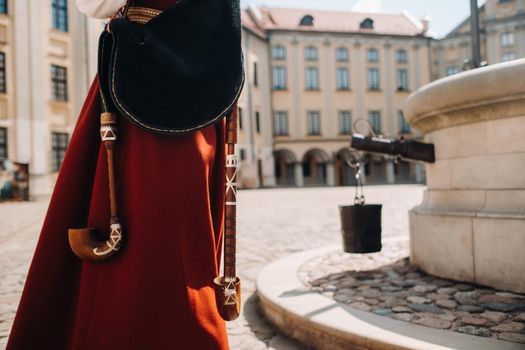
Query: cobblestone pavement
[273, 223]
[19, 227]
[387, 284]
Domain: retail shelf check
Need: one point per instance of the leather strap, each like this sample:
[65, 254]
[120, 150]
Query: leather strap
[141, 15]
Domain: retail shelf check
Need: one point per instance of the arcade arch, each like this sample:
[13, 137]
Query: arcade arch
[285, 162]
[315, 167]
[344, 174]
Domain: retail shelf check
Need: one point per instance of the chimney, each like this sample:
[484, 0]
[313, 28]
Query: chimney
[255, 13]
[425, 21]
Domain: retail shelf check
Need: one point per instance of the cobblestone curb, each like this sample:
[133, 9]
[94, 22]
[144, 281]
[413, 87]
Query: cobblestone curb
[323, 323]
[399, 290]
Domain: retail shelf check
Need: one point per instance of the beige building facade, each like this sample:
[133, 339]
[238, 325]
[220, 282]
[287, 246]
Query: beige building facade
[44, 77]
[255, 129]
[327, 69]
[502, 35]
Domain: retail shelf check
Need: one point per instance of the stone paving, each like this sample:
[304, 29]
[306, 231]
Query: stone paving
[378, 283]
[20, 223]
[273, 223]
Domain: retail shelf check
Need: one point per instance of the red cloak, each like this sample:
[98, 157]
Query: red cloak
[157, 293]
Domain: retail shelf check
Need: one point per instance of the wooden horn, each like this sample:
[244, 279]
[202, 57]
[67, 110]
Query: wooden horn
[228, 286]
[85, 242]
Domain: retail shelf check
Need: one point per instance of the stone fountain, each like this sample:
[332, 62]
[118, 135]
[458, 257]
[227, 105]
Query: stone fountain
[471, 224]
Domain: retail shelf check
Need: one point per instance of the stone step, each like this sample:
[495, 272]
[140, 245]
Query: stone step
[322, 323]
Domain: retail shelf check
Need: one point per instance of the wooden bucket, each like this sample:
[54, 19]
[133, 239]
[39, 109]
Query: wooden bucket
[361, 228]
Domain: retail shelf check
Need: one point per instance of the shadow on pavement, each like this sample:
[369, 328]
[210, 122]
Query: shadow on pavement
[264, 331]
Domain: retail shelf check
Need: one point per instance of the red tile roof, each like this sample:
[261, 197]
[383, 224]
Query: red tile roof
[331, 21]
[250, 23]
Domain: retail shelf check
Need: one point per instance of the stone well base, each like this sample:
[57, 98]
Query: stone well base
[486, 249]
[471, 224]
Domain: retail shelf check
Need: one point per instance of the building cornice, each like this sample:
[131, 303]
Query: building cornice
[256, 33]
[313, 140]
[346, 34]
[517, 17]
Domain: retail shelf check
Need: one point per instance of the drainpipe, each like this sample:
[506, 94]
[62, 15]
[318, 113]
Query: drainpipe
[251, 112]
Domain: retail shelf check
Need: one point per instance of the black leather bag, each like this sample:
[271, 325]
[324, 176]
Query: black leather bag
[179, 72]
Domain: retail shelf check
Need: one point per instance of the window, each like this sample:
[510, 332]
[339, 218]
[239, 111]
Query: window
[242, 153]
[373, 79]
[372, 55]
[258, 122]
[278, 52]
[3, 84]
[280, 123]
[342, 79]
[341, 54]
[279, 78]
[345, 123]
[310, 53]
[307, 21]
[404, 127]
[368, 23]
[401, 56]
[374, 117]
[59, 15]
[402, 80]
[240, 118]
[313, 123]
[3, 6]
[59, 143]
[509, 56]
[255, 80]
[452, 70]
[3, 143]
[312, 78]
[507, 39]
[59, 83]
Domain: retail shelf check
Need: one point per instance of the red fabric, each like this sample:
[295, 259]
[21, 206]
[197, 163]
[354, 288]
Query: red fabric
[157, 293]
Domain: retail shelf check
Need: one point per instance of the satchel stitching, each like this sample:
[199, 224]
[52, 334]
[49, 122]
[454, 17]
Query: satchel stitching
[213, 120]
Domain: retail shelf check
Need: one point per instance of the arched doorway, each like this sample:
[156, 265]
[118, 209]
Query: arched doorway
[405, 172]
[284, 167]
[314, 168]
[375, 170]
[344, 174]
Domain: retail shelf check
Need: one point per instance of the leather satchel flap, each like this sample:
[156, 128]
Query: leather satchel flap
[181, 71]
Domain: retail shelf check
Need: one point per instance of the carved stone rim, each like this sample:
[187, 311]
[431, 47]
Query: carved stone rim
[493, 92]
